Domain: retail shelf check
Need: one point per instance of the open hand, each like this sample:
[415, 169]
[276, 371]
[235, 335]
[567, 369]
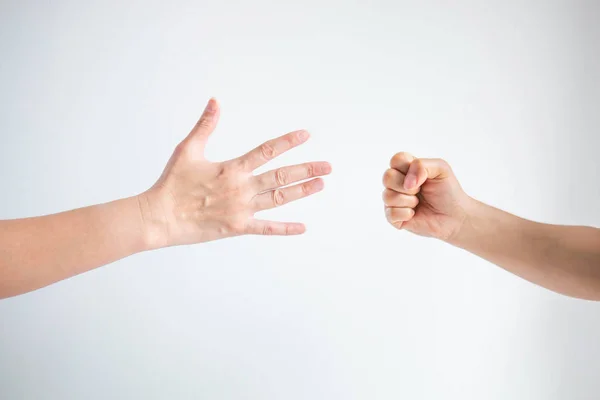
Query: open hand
[196, 200]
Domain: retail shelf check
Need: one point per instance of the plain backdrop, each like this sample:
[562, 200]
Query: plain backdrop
[95, 95]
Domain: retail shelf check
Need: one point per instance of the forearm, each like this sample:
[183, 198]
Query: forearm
[565, 259]
[35, 252]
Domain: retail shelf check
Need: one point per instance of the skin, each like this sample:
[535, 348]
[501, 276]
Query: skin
[424, 197]
[193, 201]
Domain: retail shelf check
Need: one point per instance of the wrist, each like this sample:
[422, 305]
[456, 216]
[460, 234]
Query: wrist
[153, 223]
[472, 211]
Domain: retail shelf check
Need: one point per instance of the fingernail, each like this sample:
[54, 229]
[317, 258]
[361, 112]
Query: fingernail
[326, 168]
[211, 106]
[388, 212]
[410, 182]
[303, 135]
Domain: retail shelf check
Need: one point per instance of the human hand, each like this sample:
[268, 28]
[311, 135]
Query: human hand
[424, 197]
[196, 200]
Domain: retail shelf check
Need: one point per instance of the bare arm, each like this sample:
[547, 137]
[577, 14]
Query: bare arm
[565, 259]
[424, 197]
[194, 201]
[35, 252]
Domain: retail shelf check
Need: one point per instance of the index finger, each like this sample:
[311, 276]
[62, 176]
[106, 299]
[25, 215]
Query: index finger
[273, 148]
[401, 161]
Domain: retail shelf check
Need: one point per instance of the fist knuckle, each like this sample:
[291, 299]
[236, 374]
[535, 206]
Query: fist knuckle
[387, 196]
[393, 215]
[401, 157]
[388, 177]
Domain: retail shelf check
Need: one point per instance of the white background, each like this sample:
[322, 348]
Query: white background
[95, 95]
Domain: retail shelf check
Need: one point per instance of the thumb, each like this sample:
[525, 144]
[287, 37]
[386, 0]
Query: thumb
[207, 122]
[422, 169]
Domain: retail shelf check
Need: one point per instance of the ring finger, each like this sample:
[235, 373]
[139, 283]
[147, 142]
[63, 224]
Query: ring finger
[279, 197]
[392, 198]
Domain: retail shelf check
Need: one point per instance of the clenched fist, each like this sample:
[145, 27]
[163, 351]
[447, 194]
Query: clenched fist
[196, 200]
[424, 197]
